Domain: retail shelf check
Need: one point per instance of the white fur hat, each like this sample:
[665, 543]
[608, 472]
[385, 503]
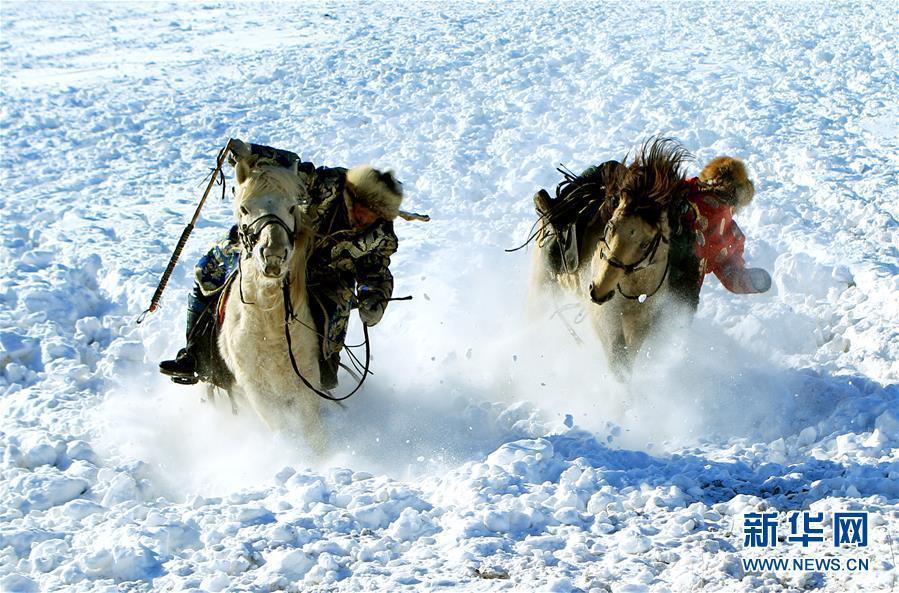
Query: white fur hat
[379, 192]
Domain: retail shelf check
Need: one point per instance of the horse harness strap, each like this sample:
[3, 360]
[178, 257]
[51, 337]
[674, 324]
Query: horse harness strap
[649, 254]
[646, 296]
[288, 317]
[636, 266]
[249, 233]
[222, 302]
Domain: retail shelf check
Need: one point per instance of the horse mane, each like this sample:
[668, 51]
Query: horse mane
[654, 180]
[652, 184]
[264, 174]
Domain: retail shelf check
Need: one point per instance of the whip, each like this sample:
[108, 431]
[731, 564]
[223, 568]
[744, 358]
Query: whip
[185, 234]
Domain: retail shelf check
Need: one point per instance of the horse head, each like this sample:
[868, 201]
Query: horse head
[271, 224]
[639, 197]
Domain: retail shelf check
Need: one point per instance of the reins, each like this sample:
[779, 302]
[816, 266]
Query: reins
[290, 316]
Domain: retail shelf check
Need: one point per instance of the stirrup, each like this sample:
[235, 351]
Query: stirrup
[185, 380]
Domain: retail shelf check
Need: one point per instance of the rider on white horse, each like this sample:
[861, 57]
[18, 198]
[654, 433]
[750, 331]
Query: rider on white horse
[352, 212]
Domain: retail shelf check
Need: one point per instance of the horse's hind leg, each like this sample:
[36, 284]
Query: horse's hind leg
[213, 392]
[542, 286]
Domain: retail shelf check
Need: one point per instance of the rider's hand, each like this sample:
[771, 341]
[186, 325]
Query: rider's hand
[371, 305]
[371, 310]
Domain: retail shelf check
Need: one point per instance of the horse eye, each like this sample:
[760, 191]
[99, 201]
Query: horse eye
[292, 208]
[244, 211]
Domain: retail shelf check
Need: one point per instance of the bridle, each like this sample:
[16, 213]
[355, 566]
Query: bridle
[249, 233]
[649, 254]
[648, 257]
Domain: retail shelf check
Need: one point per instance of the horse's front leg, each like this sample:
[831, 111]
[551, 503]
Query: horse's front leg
[310, 417]
[607, 321]
[621, 357]
[297, 416]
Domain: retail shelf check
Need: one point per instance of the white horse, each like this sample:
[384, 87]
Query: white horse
[275, 240]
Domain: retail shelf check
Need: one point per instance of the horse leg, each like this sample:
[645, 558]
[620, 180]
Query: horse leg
[310, 419]
[607, 323]
[621, 358]
[303, 419]
[538, 284]
[208, 396]
[298, 417]
[233, 401]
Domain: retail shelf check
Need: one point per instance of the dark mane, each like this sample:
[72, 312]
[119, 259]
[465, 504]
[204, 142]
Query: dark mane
[580, 196]
[651, 183]
[654, 179]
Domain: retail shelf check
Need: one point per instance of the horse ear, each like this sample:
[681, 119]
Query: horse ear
[241, 171]
[238, 150]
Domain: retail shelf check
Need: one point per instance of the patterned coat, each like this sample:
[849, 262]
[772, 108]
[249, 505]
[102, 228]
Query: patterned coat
[347, 267]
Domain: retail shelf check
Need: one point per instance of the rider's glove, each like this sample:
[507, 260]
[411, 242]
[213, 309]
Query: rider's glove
[761, 280]
[371, 306]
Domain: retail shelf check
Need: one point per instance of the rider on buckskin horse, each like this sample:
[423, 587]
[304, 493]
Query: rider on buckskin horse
[706, 237]
[352, 212]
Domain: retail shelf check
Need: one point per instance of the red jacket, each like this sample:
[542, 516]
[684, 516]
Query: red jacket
[719, 241]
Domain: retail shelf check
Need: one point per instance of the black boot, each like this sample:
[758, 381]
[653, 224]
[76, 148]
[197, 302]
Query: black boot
[183, 369]
[328, 368]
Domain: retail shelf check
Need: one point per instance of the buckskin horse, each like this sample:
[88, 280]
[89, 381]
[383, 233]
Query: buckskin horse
[624, 240]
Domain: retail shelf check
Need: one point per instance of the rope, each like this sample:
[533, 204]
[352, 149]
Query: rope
[288, 316]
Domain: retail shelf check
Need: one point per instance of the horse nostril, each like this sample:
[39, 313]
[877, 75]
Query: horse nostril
[270, 252]
[599, 300]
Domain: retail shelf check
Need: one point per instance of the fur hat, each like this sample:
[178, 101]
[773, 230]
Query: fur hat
[728, 177]
[379, 192]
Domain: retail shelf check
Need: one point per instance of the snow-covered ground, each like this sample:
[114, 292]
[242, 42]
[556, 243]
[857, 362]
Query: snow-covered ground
[488, 452]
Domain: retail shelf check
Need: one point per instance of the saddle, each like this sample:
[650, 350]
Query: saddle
[211, 367]
[572, 217]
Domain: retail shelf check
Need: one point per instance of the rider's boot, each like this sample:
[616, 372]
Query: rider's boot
[184, 369]
[328, 367]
